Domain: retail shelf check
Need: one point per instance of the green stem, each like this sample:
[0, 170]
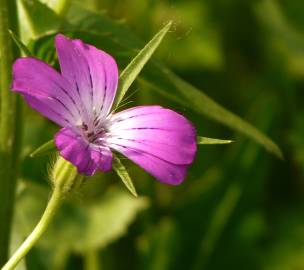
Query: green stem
[91, 260]
[40, 228]
[9, 138]
[6, 56]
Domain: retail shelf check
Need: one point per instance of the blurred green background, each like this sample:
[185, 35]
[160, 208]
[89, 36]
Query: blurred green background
[240, 207]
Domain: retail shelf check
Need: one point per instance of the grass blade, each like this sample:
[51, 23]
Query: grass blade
[171, 86]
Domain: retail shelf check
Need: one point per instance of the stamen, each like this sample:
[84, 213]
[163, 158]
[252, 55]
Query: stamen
[94, 135]
[84, 126]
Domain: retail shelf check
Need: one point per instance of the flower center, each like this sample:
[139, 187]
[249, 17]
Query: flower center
[95, 135]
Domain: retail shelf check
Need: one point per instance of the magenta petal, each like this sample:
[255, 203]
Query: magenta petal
[155, 130]
[164, 171]
[45, 90]
[75, 149]
[93, 73]
[46, 108]
[160, 140]
[103, 158]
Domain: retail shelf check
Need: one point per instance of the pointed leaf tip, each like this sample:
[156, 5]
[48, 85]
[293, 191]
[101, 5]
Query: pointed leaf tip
[205, 140]
[168, 25]
[44, 149]
[130, 73]
[122, 172]
[22, 47]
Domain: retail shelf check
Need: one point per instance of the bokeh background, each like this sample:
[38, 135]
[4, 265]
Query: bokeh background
[240, 206]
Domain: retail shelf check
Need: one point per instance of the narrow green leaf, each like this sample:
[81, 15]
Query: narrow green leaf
[23, 49]
[124, 175]
[170, 85]
[205, 140]
[44, 149]
[130, 73]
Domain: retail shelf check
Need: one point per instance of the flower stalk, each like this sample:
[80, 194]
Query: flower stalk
[64, 178]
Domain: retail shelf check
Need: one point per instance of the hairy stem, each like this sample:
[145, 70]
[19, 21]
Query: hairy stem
[40, 228]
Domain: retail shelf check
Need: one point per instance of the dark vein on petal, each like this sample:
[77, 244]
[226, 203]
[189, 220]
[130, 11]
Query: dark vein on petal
[84, 111]
[143, 128]
[130, 117]
[149, 154]
[66, 107]
[57, 113]
[105, 88]
[144, 142]
[91, 84]
[69, 96]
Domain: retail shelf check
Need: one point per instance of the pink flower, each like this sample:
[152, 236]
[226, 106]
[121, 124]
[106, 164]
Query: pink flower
[79, 100]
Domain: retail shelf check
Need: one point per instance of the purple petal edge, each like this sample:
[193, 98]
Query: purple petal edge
[44, 89]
